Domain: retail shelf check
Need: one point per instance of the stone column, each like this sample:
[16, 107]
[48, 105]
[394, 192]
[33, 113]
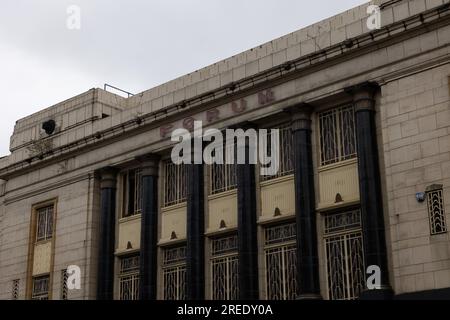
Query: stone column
[247, 228]
[105, 273]
[149, 228]
[305, 204]
[195, 260]
[370, 189]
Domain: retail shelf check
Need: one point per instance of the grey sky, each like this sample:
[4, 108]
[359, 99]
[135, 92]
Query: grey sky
[133, 44]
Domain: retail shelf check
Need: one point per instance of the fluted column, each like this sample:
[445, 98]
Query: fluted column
[370, 189]
[305, 206]
[149, 228]
[105, 273]
[247, 229]
[195, 260]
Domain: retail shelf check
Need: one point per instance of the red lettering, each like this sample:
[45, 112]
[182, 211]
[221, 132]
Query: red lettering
[239, 107]
[188, 123]
[266, 97]
[163, 131]
[212, 115]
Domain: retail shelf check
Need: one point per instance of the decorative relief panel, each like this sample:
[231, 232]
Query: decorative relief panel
[278, 199]
[338, 185]
[173, 224]
[129, 234]
[223, 208]
[42, 258]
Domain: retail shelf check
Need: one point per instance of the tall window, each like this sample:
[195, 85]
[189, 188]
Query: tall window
[132, 192]
[436, 210]
[281, 262]
[337, 135]
[175, 183]
[15, 289]
[223, 177]
[129, 278]
[44, 223]
[64, 288]
[40, 288]
[174, 273]
[344, 253]
[286, 156]
[224, 268]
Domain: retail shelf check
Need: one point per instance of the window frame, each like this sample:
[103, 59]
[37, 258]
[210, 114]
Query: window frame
[336, 114]
[136, 202]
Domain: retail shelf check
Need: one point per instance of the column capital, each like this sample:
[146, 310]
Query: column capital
[300, 116]
[149, 164]
[108, 177]
[363, 96]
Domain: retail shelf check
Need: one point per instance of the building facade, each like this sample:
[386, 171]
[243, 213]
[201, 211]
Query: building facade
[364, 179]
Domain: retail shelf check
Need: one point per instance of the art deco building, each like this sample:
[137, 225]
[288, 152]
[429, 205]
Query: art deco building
[364, 179]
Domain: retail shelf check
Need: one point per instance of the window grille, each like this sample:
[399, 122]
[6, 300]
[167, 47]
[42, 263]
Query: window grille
[223, 177]
[129, 278]
[132, 192]
[337, 135]
[15, 289]
[224, 268]
[64, 288]
[40, 288]
[345, 257]
[286, 158]
[281, 262]
[436, 211]
[174, 273]
[175, 183]
[44, 223]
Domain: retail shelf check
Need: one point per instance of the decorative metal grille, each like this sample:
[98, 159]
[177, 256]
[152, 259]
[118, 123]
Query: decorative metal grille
[40, 288]
[15, 289]
[224, 268]
[286, 157]
[345, 257]
[129, 278]
[223, 177]
[281, 262]
[44, 223]
[64, 288]
[281, 233]
[436, 211]
[175, 183]
[174, 273]
[337, 135]
[132, 192]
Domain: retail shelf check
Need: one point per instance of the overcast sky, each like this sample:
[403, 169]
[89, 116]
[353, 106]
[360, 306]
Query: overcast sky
[132, 44]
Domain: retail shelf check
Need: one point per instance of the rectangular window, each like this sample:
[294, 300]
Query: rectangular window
[64, 289]
[223, 177]
[174, 273]
[44, 223]
[129, 278]
[337, 135]
[132, 192]
[436, 210]
[281, 262]
[40, 288]
[15, 289]
[224, 268]
[344, 254]
[286, 156]
[175, 183]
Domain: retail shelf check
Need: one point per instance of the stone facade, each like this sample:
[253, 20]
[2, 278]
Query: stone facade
[408, 59]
